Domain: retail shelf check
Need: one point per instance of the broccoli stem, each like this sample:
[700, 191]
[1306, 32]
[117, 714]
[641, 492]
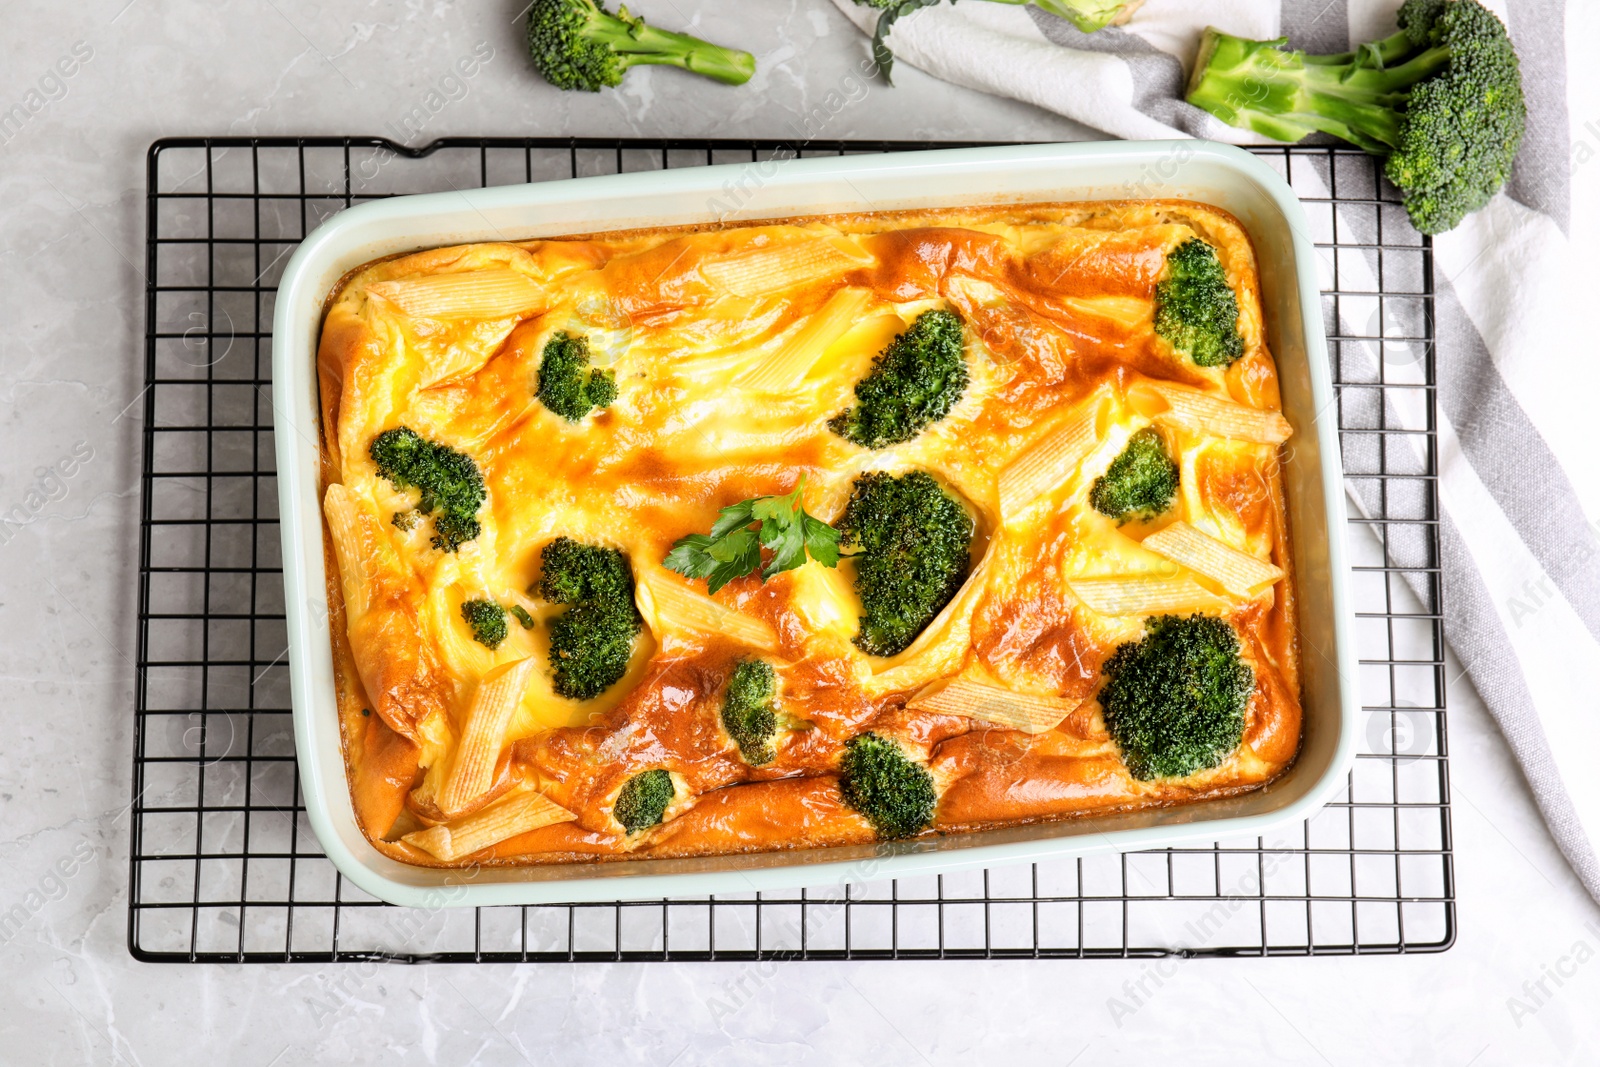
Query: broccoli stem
[637, 43]
[1087, 15]
[1287, 95]
[1374, 53]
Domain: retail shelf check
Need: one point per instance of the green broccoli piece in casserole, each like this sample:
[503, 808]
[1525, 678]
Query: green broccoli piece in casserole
[592, 641]
[1141, 482]
[1196, 310]
[894, 792]
[912, 546]
[644, 800]
[486, 620]
[451, 485]
[747, 711]
[914, 382]
[566, 384]
[1174, 700]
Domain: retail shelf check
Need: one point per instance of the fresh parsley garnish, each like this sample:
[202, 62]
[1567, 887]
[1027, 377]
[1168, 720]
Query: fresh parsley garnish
[733, 548]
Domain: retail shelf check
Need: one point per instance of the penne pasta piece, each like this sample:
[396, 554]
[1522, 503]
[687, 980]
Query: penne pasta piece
[358, 546]
[523, 810]
[1051, 460]
[772, 268]
[1028, 712]
[496, 293]
[1146, 595]
[1127, 311]
[783, 369]
[679, 607]
[1238, 572]
[1204, 413]
[478, 752]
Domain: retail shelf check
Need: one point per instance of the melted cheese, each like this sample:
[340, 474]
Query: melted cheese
[1057, 304]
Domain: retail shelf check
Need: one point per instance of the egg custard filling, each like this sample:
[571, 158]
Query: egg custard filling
[700, 541]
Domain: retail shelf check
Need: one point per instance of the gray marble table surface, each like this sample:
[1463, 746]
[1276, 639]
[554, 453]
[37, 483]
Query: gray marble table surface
[71, 316]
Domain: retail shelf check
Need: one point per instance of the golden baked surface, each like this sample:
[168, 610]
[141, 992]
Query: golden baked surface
[731, 349]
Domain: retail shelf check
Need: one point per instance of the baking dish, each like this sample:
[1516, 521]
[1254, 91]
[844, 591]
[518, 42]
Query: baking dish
[1225, 177]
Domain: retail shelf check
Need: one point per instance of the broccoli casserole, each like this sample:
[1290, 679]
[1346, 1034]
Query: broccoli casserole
[707, 540]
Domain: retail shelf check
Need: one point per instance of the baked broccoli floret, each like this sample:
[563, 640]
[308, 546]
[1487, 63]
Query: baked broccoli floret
[566, 384]
[1174, 701]
[487, 620]
[643, 801]
[1140, 483]
[893, 792]
[578, 44]
[911, 542]
[1087, 15]
[1196, 310]
[747, 712]
[1441, 100]
[592, 641]
[452, 488]
[521, 614]
[914, 382]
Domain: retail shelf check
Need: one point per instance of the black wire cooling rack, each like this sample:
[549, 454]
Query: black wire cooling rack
[224, 867]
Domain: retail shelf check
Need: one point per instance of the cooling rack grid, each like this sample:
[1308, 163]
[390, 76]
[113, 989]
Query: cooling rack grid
[224, 867]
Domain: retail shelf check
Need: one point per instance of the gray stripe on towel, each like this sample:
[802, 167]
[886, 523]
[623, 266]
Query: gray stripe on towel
[1542, 175]
[1158, 79]
[1480, 644]
[1514, 462]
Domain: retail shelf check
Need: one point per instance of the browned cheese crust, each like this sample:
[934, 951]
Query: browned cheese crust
[1057, 302]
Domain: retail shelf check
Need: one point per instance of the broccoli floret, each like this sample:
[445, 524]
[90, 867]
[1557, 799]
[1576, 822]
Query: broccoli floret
[912, 542]
[747, 712]
[487, 620]
[520, 613]
[578, 44]
[1087, 15]
[1140, 483]
[894, 793]
[643, 801]
[452, 488]
[1441, 100]
[592, 641]
[1174, 701]
[566, 384]
[914, 382]
[1196, 310]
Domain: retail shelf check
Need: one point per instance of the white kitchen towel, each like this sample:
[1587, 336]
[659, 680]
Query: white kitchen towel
[1518, 379]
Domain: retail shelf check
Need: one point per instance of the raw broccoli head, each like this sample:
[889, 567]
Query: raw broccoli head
[486, 620]
[914, 382]
[912, 543]
[452, 488]
[643, 800]
[1196, 310]
[592, 641]
[578, 44]
[1140, 483]
[566, 384]
[893, 792]
[747, 712]
[1174, 701]
[1462, 126]
[1441, 99]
